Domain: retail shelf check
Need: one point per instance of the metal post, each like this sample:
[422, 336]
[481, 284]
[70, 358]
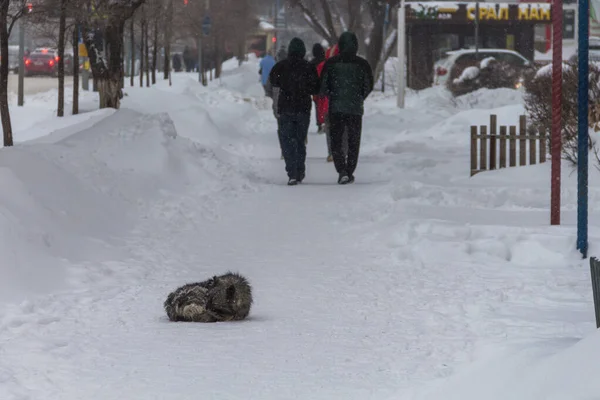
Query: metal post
[595, 273]
[582, 131]
[21, 89]
[401, 54]
[477, 31]
[556, 142]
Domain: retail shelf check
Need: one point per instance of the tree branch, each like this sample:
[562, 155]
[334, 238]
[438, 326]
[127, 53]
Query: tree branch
[328, 18]
[314, 22]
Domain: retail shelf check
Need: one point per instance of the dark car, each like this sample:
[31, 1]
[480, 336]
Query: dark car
[45, 62]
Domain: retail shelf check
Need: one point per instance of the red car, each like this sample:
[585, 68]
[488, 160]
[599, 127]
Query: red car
[45, 62]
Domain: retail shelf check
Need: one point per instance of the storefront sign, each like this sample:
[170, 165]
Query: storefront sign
[453, 12]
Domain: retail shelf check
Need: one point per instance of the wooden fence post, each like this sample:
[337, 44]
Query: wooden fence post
[492, 142]
[512, 143]
[522, 141]
[595, 271]
[497, 139]
[503, 147]
[483, 160]
[473, 149]
[532, 147]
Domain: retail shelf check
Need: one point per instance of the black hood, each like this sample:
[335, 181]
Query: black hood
[296, 49]
[318, 51]
[348, 43]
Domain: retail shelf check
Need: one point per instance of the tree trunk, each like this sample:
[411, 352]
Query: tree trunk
[218, 56]
[154, 50]
[143, 24]
[147, 50]
[107, 72]
[132, 69]
[62, 27]
[75, 110]
[123, 61]
[4, 111]
[168, 34]
[376, 40]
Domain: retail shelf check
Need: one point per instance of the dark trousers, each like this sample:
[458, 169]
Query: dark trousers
[345, 164]
[316, 112]
[279, 134]
[293, 130]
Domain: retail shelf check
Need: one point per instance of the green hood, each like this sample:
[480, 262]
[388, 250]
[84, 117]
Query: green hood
[296, 49]
[348, 43]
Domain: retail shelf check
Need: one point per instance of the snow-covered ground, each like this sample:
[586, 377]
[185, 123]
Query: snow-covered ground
[416, 283]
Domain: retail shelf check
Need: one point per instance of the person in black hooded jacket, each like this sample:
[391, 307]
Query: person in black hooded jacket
[346, 80]
[297, 81]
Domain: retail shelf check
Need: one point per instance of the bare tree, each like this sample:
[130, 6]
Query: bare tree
[231, 21]
[10, 12]
[75, 109]
[105, 27]
[155, 48]
[147, 53]
[132, 34]
[142, 29]
[168, 38]
[366, 18]
[62, 27]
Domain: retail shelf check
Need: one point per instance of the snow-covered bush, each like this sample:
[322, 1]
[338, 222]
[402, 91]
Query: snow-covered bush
[489, 73]
[538, 104]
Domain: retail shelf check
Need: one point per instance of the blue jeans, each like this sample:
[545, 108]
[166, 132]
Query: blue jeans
[293, 129]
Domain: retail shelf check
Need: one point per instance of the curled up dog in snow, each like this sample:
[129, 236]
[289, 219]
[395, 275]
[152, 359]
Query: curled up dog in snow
[227, 297]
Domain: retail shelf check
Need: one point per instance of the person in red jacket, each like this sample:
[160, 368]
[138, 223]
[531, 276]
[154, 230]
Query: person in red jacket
[322, 102]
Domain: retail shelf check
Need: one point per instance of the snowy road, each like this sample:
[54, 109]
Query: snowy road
[369, 291]
[35, 84]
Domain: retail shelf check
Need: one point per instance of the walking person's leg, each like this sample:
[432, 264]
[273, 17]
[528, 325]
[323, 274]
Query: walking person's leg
[345, 142]
[316, 104]
[327, 129]
[302, 126]
[289, 145]
[354, 131]
[279, 136]
[336, 131]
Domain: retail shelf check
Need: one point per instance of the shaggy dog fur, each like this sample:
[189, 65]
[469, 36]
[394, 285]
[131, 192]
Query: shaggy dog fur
[226, 297]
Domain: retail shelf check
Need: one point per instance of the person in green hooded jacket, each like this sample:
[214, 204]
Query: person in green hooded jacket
[346, 80]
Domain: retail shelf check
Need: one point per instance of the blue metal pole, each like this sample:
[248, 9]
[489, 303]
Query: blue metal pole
[582, 131]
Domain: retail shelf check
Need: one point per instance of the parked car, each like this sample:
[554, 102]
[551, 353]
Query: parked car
[594, 51]
[443, 68]
[44, 61]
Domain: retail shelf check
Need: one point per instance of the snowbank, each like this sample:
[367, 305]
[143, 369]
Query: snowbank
[562, 369]
[468, 74]
[416, 282]
[70, 194]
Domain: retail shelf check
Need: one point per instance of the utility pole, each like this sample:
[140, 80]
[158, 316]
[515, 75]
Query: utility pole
[20, 90]
[401, 54]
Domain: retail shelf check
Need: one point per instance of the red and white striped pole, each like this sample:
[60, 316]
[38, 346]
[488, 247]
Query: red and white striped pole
[557, 30]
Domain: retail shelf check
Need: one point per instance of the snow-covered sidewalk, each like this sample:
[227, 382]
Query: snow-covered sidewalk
[415, 281]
